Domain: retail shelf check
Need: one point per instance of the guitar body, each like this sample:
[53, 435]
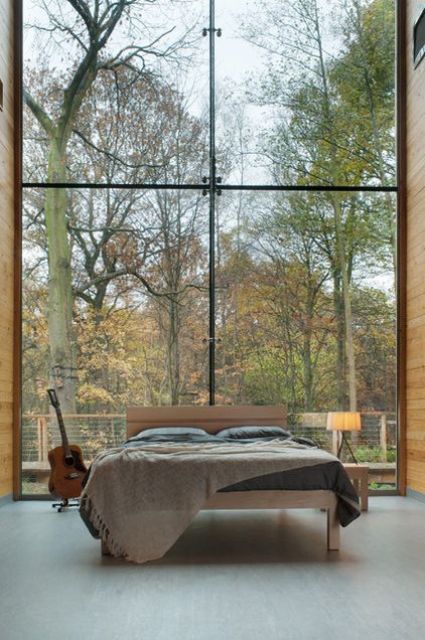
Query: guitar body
[67, 467]
[67, 472]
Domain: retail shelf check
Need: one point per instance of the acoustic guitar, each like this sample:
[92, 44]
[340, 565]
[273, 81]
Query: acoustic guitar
[67, 467]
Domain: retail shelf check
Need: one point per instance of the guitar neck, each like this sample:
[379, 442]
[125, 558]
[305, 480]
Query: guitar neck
[55, 403]
[64, 437]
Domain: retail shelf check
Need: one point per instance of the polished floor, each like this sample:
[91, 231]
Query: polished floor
[261, 575]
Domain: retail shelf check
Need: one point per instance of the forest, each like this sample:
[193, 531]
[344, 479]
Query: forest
[115, 289]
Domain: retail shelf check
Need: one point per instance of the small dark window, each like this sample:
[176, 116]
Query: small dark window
[419, 39]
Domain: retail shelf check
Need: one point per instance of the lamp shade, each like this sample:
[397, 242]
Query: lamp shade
[344, 421]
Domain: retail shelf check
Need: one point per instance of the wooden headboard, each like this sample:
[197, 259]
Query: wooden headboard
[212, 419]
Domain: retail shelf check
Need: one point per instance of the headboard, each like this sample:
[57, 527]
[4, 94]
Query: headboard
[211, 418]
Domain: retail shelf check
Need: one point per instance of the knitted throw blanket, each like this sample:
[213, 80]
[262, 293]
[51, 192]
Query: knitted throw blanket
[142, 499]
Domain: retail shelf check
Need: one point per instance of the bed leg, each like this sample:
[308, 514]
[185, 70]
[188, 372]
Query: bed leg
[105, 549]
[333, 528]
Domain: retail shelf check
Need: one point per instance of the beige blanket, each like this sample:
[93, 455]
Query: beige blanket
[142, 499]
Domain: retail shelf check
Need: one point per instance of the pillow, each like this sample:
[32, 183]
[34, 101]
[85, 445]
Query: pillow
[168, 431]
[307, 441]
[243, 432]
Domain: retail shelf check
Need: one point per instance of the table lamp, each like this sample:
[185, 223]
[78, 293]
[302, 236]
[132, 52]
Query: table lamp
[343, 421]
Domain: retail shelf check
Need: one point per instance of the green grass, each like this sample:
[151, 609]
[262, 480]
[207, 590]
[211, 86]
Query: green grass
[374, 454]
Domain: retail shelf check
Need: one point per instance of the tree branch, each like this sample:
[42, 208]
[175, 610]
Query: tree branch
[112, 156]
[38, 112]
[129, 271]
[83, 10]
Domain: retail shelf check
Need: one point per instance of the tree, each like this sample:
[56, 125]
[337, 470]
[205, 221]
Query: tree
[314, 140]
[127, 243]
[296, 264]
[89, 27]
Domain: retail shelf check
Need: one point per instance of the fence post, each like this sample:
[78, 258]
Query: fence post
[42, 439]
[336, 435]
[383, 436]
[39, 440]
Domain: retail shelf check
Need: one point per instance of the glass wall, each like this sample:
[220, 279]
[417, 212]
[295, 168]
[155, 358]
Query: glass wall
[209, 215]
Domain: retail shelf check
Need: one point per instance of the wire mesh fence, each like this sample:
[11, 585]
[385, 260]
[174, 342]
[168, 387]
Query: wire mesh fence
[375, 444]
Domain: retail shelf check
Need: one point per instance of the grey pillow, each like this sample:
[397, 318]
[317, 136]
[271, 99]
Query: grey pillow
[168, 431]
[243, 432]
[303, 440]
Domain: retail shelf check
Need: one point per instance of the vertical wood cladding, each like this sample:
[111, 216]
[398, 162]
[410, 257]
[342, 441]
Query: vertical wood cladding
[415, 262]
[6, 248]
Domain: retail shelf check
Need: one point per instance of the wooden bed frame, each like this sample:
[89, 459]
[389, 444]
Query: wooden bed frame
[214, 418]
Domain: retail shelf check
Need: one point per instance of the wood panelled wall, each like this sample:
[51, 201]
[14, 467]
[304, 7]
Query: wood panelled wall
[6, 248]
[415, 276]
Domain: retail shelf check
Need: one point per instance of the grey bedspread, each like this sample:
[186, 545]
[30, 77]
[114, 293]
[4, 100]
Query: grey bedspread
[140, 498]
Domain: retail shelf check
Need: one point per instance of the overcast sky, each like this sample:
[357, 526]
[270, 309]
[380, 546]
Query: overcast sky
[236, 59]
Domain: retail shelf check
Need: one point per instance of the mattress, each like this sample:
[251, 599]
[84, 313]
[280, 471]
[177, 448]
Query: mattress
[331, 476]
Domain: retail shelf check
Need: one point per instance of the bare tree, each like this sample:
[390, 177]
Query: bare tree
[89, 26]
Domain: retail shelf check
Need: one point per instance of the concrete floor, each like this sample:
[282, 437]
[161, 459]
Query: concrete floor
[262, 575]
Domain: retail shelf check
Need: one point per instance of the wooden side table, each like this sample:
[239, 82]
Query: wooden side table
[358, 474]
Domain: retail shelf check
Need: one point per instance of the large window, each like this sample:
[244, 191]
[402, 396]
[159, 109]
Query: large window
[209, 215]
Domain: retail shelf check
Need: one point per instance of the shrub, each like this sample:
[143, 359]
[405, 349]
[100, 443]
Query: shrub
[369, 454]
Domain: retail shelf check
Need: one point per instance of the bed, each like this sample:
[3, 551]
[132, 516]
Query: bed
[250, 493]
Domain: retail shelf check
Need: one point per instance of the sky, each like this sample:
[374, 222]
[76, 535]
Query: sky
[236, 59]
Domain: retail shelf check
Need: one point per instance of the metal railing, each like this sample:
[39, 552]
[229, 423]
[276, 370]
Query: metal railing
[374, 445]
[96, 432]
[92, 432]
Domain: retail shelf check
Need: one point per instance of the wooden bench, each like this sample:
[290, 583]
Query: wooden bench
[359, 474]
[383, 472]
[38, 469]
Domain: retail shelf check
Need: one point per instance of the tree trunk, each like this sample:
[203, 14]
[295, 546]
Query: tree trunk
[340, 350]
[174, 354]
[349, 345]
[348, 317]
[60, 304]
[307, 359]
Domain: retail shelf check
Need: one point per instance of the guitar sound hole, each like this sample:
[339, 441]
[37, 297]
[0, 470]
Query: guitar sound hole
[69, 460]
